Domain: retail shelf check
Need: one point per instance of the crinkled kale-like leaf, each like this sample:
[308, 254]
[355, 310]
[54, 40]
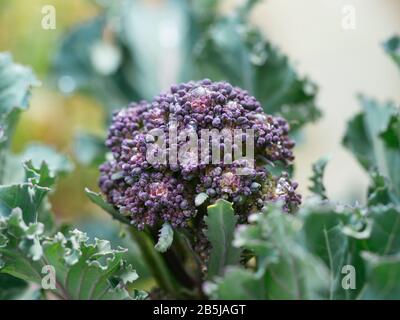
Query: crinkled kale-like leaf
[98, 199]
[83, 270]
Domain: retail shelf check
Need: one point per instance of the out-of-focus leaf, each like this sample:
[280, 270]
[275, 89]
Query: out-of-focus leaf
[94, 59]
[221, 223]
[27, 196]
[237, 284]
[379, 192]
[317, 178]
[357, 141]
[288, 270]
[391, 135]
[82, 270]
[392, 47]
[372, 149]
[285, 270]
[15, 84]
[314, 254]
[30, 193]
[11, 287]
[385, 233]
[57, 163]
[28, 179]
[89, 149]
[97, 199]
[324, 237]
[383, 277]
[166, 236]
[229, 49]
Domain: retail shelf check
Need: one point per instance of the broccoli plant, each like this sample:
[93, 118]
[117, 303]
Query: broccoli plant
[233, 235]
[175, 195]
[231, 228]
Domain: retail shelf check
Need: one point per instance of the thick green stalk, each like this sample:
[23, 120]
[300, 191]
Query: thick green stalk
[156, 264]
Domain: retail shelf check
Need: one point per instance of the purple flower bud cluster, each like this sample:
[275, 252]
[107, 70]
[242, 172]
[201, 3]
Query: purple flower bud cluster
[153, 192]
[151, 197]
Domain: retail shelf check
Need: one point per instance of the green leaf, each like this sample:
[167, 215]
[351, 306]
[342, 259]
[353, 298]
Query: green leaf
[15, 85]
[392, 47]
[317, 178]
[31, 192]
[372, 148]
[362, 136]
[36, 154]
[165, 238]
[221, 222]
[113, 232]
[97, 199]
[306, 256]
[237, 284]
[324, 237]
[380, 191]
[385, 233]
[284, 269]
[27, 195]
[89, 149]
[384, 277]
[287, 270]
[391, 135]
[83, 270]
[11, 287]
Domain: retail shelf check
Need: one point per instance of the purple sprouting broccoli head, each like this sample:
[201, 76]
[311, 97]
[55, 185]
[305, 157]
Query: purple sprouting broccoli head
[164, 155]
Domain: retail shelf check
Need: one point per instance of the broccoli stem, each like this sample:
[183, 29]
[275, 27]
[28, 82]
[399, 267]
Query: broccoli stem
[156, 263]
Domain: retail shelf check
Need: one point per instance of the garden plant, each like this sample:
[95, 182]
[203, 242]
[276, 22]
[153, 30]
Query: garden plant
[191, 228]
